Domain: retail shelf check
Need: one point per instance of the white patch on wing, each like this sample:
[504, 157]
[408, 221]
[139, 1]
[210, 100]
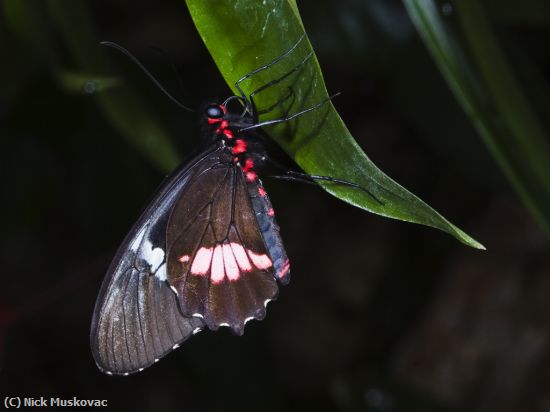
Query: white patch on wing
[153, 257]
[156, 258]
[137, 240]
[248, 319]
[224, 324]
[160, 274]
[196, 330]
[197, 315]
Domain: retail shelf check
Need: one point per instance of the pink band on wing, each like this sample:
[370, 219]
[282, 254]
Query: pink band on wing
[228, 260]
[201, 262]
[242, 258]
[218, 272]
[260, 261]
[231, 268]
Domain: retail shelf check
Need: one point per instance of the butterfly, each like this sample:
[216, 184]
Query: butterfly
[205, 253]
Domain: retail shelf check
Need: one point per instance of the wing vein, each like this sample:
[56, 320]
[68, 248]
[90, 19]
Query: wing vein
[124, 330]
[138, 301]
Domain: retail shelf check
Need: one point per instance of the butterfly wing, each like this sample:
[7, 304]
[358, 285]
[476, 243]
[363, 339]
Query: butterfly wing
[137, 319]
[218, 259]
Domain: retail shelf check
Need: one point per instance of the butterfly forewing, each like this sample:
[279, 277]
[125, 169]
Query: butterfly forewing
[137, 319]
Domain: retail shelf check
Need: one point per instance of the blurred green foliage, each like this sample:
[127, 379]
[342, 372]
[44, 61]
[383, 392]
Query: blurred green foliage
[464, 45]
[71, 21]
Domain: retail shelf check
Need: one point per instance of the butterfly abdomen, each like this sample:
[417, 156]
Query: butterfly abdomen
[265, 216]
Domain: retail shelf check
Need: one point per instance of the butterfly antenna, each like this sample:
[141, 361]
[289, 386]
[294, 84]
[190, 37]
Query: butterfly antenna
[170, 59]
[147, 72]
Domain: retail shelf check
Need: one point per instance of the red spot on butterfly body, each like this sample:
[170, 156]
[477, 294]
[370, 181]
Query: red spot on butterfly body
[224, 124]
[248, 165]
[262, 191]
[284, 271]
[251, 176]
[271, 212]
[239, 147]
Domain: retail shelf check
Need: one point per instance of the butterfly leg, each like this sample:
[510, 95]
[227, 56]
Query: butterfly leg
[280, 102]
[294, 176]
[264, 67]
[273, 83]
[288, 118]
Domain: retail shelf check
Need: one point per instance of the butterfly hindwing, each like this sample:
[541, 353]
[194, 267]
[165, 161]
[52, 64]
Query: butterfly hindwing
[217, 258]
[137, 319]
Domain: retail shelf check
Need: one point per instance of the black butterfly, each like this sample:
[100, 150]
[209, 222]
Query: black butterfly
[206, 252]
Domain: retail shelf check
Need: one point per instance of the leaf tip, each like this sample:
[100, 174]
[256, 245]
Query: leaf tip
[465, 238]
[470, 241]
[478, 246]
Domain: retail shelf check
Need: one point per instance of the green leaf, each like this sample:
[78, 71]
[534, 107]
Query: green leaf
[463, 44]
[243, 35]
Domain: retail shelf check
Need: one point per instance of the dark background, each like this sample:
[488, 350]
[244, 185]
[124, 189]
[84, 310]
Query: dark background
[380, 315]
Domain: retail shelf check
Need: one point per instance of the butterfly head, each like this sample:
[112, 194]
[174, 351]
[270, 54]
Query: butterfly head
[215, 113]
[224, 122]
